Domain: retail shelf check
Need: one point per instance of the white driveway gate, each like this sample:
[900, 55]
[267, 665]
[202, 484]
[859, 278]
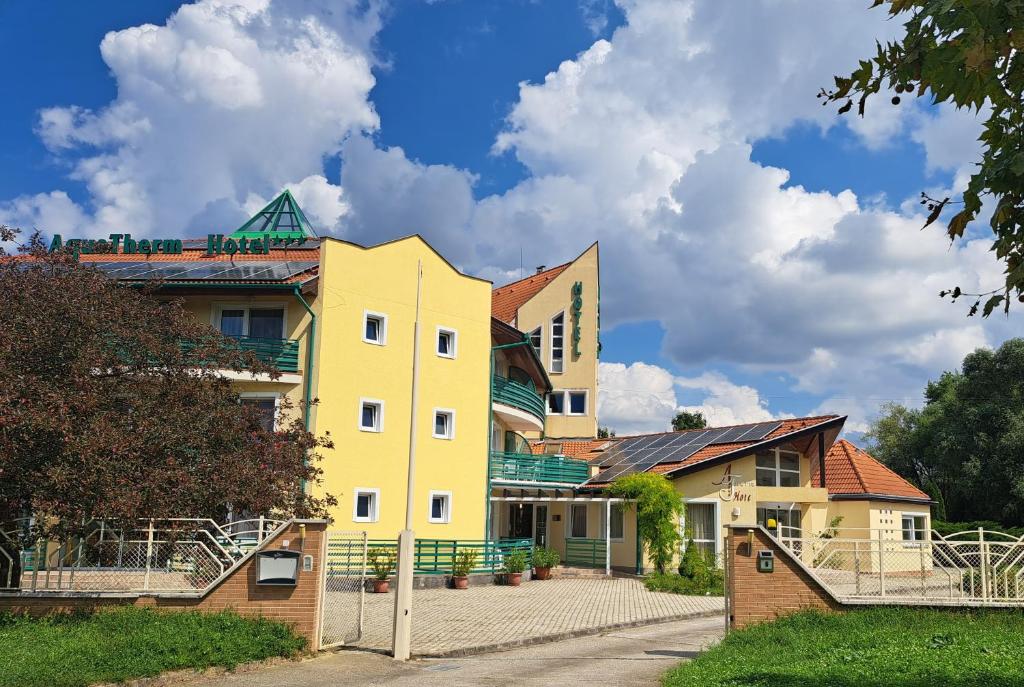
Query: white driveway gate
[344, 589]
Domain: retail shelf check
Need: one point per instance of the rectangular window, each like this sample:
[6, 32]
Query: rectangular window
[366, 507]
[577, 402]
[444, 423]
[578, 525]
[375, 328]
[232, 322]
[536, 338]
[699, 525]
[267, 408]
[371, 415]
[557, 343]
[618, 523]
[440, 506]
[778, 468]
[914, 527]
[556, 403]
[446, 339]
[266, 323]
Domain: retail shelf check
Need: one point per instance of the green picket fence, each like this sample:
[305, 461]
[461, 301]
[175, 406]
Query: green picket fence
[585, 553]
[430, 556]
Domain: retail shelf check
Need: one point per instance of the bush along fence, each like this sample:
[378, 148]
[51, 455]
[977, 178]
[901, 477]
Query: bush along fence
[431, 556]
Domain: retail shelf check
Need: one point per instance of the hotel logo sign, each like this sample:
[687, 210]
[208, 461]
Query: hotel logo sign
[216, 244]
[576, 312]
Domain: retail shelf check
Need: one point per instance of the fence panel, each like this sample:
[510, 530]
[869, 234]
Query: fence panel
[585, 553]
[343, 596]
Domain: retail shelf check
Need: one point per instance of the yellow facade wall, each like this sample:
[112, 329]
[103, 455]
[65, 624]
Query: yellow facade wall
[382, 279]
[580, 372]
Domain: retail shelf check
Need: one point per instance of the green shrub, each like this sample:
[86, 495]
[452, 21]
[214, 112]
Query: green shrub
[465, 561]
[382, 561]
[713, 583]
[545, 558]
[515, 562]
[658, 506]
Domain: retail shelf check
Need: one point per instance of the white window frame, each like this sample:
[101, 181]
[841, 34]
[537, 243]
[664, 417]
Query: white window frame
[572, 520]
[374, 504]
[777, 470]
[262, 396]
[382, 328]
[718, 523]
[551, 345]
[913, 517]
[453, 345]
[451, 423]
[547, 403]
[380, 415]
[218, 308]
[446, 517]
[567, 402]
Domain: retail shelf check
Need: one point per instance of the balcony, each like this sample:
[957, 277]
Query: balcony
[541, 469]
[281, 353]
[519, 404]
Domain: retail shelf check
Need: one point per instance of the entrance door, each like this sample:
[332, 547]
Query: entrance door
[520, 520]
[785, 515]
[540, 533]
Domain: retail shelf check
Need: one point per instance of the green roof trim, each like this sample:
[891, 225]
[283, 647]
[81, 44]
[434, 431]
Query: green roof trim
[282, 218]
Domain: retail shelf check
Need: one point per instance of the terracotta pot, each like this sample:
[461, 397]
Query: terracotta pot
[381, 586]
[513, 579]
[460, 582]
[542, 573]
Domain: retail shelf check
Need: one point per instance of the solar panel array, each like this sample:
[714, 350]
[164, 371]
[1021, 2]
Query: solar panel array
[640, 454]
[258, 270]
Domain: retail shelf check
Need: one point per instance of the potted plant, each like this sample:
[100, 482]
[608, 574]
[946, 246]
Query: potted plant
[543, 560]
[382, 561]
[465, 561]
[514, 565]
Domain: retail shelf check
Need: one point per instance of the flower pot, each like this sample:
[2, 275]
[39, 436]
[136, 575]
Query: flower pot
[460, 582]
[542, 573]
[381, 586]
[513, 579]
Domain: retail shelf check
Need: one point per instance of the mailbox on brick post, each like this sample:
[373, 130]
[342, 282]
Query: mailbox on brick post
[277, 567]
[766, 561]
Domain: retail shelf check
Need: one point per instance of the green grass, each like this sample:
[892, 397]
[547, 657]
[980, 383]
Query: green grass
[894, 647]
[677, 584]
[120, 644]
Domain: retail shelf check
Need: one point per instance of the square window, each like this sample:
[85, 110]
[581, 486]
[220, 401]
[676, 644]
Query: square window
[375, 328]
[440, 506]
[371, 415]
[577, 402]
[267, 408]
[444, 424]
[446, 339]
[789, 479]
[789, 461]
[556, 403]
[366, 507]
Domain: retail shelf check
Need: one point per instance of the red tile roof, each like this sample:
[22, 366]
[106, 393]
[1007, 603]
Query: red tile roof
[850, 470]
[506, 300]
[788, 426]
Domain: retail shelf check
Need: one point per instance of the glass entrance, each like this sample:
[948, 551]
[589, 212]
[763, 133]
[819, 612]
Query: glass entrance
[785, 515]
[520, 520]
[540, 534]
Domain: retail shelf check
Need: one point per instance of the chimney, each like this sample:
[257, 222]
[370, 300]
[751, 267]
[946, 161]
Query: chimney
[540, 268]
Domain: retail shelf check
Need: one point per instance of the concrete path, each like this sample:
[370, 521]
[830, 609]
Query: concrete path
[636, 656]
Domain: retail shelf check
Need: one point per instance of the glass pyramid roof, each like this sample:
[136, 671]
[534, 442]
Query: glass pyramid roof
[282, 218]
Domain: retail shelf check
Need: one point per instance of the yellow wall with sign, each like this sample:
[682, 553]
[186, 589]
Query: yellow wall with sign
[579, 371]
[382, 281]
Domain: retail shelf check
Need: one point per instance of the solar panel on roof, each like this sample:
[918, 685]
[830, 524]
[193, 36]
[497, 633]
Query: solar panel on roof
[218, 270]
[760, 431]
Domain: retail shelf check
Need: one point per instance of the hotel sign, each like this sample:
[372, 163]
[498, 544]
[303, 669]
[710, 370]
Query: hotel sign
[576, 312]
[216, 244]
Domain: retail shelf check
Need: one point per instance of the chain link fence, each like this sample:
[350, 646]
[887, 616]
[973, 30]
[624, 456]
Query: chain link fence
[344, 589]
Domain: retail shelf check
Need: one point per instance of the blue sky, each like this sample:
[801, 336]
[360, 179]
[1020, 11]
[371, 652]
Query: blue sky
[761, 256]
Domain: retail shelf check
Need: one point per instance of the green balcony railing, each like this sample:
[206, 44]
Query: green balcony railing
[585, 553]
[526, 467]
[281, 353]
[430, 556]
[519, 395]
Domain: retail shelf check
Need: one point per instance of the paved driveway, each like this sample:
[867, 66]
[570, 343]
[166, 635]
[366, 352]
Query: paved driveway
[449, 622]
[634, 657]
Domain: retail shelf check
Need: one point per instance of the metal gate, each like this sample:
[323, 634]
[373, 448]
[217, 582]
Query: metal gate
[343, 591]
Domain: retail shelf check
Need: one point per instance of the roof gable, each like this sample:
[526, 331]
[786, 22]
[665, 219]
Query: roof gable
[506, 300]
[852, 471]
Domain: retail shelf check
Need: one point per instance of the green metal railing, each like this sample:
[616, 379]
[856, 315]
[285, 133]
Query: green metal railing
[518, 395]
[526, 467]
[281, 353]
[430, 556]
[585, 553]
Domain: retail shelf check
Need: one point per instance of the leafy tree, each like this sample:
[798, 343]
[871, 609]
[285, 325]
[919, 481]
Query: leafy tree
[658, 506]
[686, 420]
[969, 53]
[965, 447]
[605, 432]
[112, 407]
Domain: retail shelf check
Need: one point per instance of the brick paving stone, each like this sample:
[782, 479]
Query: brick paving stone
[447, 620]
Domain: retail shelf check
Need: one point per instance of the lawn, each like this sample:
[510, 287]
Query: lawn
[895, 647]
[124, 643]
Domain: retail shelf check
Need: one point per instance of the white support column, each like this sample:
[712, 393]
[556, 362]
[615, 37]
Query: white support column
[608, 537]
